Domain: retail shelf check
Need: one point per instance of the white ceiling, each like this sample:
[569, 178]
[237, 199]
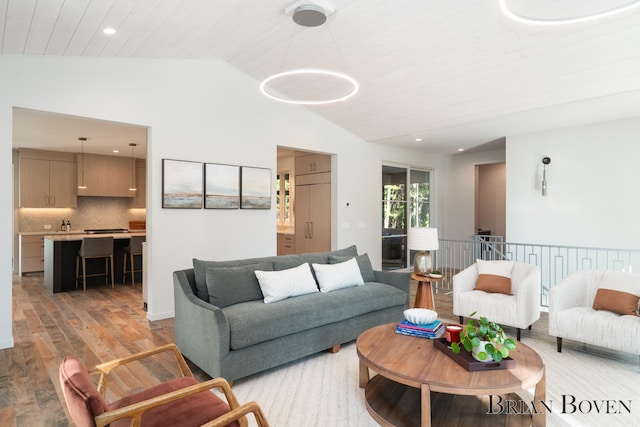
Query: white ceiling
[455, 73]
[58, 132]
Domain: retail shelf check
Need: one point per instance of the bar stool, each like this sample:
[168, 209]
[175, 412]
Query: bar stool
[95, 247]
[134, 248]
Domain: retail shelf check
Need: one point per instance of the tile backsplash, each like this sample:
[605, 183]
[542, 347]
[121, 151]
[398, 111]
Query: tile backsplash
[92, 212]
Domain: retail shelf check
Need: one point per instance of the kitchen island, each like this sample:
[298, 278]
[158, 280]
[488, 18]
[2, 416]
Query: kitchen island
[60, 259]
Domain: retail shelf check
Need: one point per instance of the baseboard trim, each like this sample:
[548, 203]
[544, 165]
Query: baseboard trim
[160, 316]
[6, 343]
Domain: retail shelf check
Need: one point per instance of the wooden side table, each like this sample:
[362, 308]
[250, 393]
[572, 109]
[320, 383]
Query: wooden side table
[424, 295]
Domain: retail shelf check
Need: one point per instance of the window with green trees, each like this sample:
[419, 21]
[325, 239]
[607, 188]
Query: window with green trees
[406, 202]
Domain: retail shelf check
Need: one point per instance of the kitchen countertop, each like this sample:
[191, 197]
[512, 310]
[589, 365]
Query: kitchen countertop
[49, 232]
[68, 237]
[286, 229]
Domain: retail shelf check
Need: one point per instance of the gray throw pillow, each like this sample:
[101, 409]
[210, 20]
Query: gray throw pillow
[366, 270]
[348, 251]
[232, 285]
[291, 261]
[282, 262]
[200, 271]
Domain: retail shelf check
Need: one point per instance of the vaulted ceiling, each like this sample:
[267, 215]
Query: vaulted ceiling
[455, 73]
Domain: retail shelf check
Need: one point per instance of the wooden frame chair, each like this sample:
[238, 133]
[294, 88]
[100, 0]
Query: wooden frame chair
[181, 401]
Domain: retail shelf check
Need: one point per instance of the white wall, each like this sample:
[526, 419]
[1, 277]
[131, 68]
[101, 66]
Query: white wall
[6, 219]
[592, 180]
[201, 111]
[459, 189]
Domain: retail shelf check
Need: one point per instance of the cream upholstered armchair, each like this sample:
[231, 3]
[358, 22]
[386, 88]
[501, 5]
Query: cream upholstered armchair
[598, 308]
[518, 306]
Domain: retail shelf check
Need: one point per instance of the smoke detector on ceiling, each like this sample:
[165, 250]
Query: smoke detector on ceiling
[310, 13]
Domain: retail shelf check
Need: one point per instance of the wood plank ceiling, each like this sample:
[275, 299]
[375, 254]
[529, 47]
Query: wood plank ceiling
[456, 73]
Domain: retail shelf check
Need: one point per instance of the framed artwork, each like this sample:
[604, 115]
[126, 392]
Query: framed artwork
[222, 186]
[255, 188]
[182, 183]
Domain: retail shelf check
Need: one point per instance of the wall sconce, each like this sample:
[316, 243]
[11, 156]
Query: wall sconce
[545, 162]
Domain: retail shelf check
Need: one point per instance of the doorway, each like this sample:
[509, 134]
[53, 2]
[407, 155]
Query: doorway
[490, 209]
[56, 138]
[303, 201]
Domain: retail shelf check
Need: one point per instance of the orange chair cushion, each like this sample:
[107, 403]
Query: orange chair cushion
[194, 410]
[83, 399]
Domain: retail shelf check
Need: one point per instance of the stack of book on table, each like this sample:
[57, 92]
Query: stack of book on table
[432, 330]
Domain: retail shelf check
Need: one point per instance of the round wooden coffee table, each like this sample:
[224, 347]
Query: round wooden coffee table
[417, 384]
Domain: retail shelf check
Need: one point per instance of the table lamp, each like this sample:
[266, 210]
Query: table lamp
[424, 240]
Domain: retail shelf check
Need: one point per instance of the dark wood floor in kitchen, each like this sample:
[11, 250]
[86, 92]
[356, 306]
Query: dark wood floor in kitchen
[96, 326]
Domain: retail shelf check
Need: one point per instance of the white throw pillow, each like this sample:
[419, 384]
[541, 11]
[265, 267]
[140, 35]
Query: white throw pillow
[623, 282]
[337, 276]
[279, 285]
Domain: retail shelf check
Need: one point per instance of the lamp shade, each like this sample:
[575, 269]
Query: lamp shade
[423, 239]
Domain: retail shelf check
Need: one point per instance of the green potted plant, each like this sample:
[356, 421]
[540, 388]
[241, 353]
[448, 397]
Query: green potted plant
[435, 274]
[486, 340]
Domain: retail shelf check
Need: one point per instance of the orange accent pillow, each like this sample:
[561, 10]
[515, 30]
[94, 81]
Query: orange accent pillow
[494, 283]
[494, 276]
[616, 301]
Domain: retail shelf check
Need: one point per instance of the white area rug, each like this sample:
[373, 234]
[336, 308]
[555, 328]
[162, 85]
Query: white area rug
[322, 390]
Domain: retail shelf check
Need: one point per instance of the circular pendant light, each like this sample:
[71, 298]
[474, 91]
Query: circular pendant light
[309, 86]
[352, 86]
[504, 7]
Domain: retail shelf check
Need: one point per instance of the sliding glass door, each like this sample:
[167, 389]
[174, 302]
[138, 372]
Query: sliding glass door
[406, 202]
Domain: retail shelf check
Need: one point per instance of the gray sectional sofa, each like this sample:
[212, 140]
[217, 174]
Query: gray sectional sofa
[223, 325]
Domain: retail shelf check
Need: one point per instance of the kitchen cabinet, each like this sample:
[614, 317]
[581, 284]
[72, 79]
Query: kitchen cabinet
[31, 254]
[47, 179]
[312, 163]
[312, 203]
[313, 213]
[140, 198]
[286, 244]
[105, 176]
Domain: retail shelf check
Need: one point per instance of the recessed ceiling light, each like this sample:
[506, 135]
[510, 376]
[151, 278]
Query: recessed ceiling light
[418, 139]
[460, 149]
[116, 151]
[109, 31]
